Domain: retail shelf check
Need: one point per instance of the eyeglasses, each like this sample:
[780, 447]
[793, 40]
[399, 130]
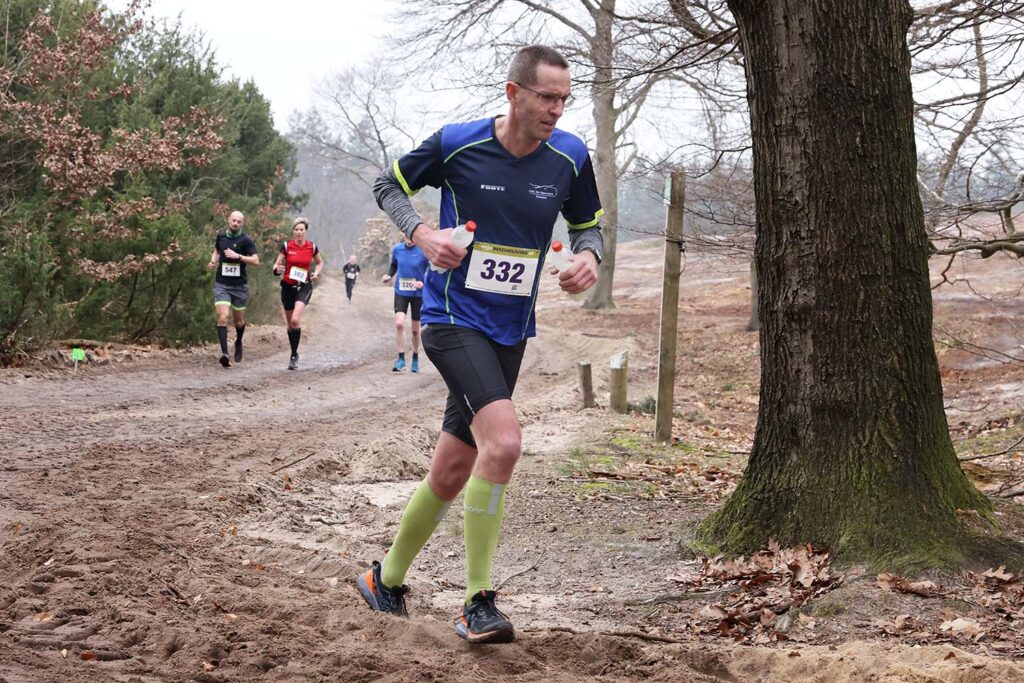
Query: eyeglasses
[549, 99]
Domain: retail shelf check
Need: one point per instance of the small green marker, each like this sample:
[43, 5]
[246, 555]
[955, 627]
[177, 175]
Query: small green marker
[77, 354]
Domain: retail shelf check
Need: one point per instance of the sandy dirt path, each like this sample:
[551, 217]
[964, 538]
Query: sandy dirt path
[169, 520]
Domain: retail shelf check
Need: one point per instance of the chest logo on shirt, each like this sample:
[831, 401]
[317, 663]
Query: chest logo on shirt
[493, 188]
[543, 191]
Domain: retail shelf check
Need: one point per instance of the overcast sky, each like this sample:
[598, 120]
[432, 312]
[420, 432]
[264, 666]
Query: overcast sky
[284, 46]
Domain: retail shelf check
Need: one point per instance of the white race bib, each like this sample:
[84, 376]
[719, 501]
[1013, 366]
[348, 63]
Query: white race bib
[407, 284]
[298, 274]
[502, 270]
[231, 270]
[350, 276]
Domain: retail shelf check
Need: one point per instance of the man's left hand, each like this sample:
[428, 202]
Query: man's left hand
[231, 253]
[582, 275]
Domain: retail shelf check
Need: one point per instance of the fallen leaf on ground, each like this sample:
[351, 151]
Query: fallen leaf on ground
[961, 625]
[42, 616]
[998, 574]
[88, 655]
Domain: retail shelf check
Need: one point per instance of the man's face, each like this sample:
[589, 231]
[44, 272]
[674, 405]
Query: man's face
[539, 105]
[408, 243]
[352, 259]
[235, 221]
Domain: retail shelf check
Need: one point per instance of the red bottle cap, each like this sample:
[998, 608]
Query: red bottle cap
[556, 246]
[470, 226]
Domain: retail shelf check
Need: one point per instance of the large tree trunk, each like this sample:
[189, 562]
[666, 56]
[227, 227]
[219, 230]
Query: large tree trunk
[852, 449]
[605, 166]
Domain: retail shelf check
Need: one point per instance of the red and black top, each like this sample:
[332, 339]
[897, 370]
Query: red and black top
[297, 262]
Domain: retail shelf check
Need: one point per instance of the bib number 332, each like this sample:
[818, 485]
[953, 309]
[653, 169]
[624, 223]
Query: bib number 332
[502, 270]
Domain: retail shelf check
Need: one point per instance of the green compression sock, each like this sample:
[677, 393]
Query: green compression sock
[422, 514]
[484, 510]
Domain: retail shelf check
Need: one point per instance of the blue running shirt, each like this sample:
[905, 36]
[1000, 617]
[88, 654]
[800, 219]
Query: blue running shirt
[410, 265]
[515, 203]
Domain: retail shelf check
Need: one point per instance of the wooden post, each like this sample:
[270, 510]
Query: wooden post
[670, 308]
[587, 386]
[620, 368]
[755, 320]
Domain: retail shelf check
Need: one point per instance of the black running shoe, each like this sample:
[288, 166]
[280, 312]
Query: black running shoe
[293, 362]
[225, 361]
[483, 622]
[379, 598]
[238, 352]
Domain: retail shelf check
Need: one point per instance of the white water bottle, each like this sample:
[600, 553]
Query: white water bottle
[558, 257]
[461, 236]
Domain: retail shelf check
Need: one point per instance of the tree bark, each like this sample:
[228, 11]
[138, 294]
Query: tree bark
[605, 167]
[852, 448]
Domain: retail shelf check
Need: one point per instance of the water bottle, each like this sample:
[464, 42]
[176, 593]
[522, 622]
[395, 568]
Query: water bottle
[558, 257]
[461, 236]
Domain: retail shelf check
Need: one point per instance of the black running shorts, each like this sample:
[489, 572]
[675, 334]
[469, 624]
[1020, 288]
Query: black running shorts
[292, 294]
[476, 369]
[402, 304]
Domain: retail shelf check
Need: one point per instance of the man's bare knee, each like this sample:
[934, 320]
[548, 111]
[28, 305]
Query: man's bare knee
[503, 450]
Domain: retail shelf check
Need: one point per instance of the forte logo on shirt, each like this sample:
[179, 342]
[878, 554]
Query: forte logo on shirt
[493, 188]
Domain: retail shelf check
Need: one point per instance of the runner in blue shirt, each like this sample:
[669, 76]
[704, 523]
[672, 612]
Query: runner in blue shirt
[410, 266]
[512, 175]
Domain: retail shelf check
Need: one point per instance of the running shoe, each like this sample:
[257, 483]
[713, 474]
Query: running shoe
[415, 367]
[293, 362]
[483, 622]
[238, 352]
[399, 365]
[380, 598]
[225, 361]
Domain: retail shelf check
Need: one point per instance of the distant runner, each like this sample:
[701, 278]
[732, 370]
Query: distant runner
[232, 252]
[293, 263]
[512, 175]
[410, 265]
[351, 270]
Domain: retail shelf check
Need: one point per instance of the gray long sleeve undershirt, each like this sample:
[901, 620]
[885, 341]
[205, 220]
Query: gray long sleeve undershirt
[391, 198]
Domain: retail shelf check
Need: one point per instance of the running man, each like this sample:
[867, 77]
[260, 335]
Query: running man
[351, 270]
[232, 252]
[293, 262]
[410, 265]
[512, 175]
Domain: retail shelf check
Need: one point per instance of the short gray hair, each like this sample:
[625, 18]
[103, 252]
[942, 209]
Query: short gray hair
[523, 69]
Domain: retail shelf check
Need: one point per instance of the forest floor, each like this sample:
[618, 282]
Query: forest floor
[164, 519]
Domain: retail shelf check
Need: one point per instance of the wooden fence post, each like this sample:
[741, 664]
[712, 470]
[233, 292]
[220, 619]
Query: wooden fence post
[619, 370]
[586, 385]
[670, 308]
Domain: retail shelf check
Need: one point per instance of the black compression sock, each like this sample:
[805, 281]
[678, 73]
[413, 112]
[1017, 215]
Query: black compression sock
[294, 335]
[402, 355]
[222, 335]
[239, 331]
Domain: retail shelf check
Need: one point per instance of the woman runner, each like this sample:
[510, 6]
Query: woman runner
[293, 264]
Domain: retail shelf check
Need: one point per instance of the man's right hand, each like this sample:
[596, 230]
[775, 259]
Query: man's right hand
[385, 278]
[437, 246]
